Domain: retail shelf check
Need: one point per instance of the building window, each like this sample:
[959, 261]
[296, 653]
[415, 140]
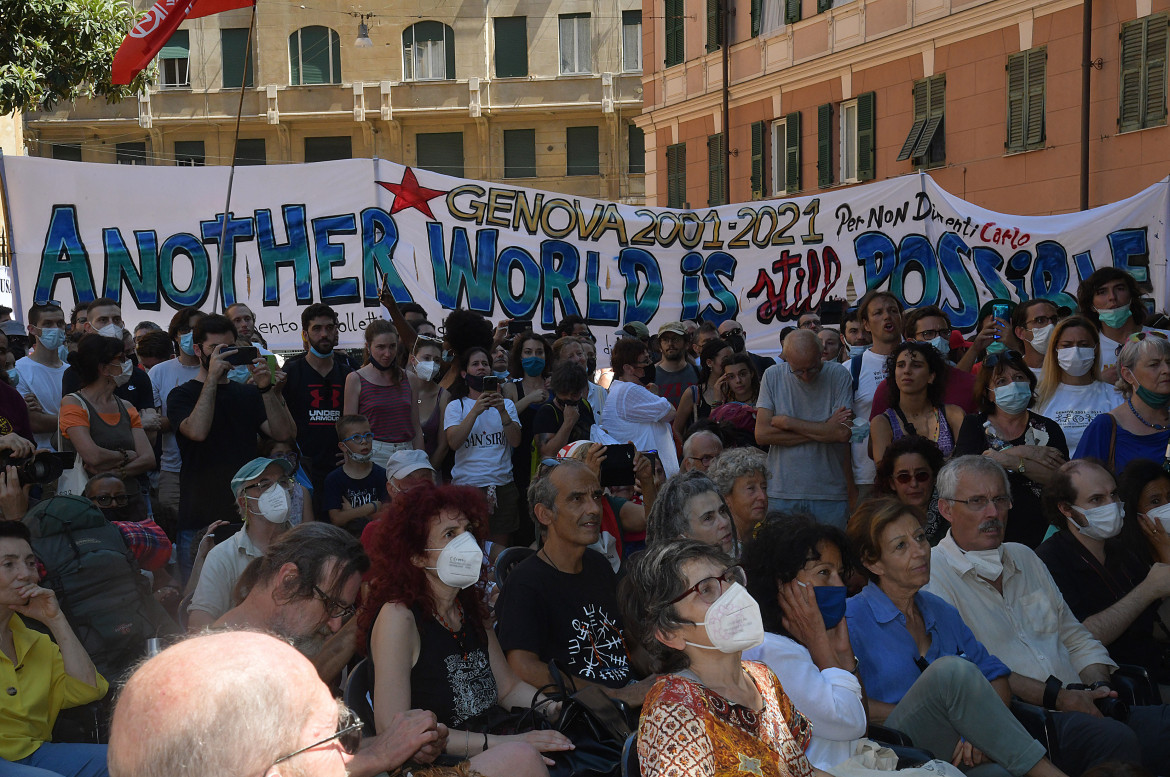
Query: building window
[175, 59]
[428, 52]
[576, 44]
[189, 153]
[130, 153]
[855, 145]
[786, 154]
[714, 25]
[520, 153]
[824, 5]
[511, 46]
[756, 11]
[328, 148]
[70, 152]
[759, 138]
[675, 19]
[716, 159]
[791, 11]
[926, 143]
[440, 152]
[1027, 92]
[314, 56]
[848, 136]
[1143, 73]
[237, 70]
[676, 175]
[632, 41]
[250, 151]
[636, 147]
[582, 151]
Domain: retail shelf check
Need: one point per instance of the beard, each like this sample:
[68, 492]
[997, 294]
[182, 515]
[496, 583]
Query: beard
[308, 645]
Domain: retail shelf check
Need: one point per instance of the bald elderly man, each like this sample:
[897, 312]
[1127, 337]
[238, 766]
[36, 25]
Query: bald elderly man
[244, 703]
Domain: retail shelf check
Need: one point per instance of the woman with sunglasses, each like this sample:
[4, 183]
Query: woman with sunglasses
[1071, 391]
[696, 403]
[917, 380]
[424, 369]
[1138, 428]
[380, 391]
[709, 713]
[1029, 446]
[425, 628]
[924, 672]
[907, 472]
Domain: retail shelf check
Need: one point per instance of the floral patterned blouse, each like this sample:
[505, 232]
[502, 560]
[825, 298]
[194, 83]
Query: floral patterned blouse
[687, 730]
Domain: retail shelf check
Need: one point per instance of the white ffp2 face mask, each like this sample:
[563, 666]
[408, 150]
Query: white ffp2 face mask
[1102, 522]
[1160, 515]
[111, 330]
[733, 622]
[1040, 336]
[272, 505]
[460, 562]
[988, 563]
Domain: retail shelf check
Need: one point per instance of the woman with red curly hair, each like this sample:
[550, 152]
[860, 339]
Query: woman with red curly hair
[424, 624]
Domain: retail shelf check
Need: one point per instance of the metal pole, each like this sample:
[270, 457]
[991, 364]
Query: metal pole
[725, 19]
[1086, 69]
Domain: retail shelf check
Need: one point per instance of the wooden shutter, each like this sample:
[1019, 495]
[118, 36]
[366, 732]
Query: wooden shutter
[1036, 90]
[325, 149]
[825, 145]
[511, 46]
[178, 47]
[921, 94]
[674, 32]
[250, 151]
[715, 159]
[714, 33]
[1017, 108]
[792, 152]
[759, 132]
[582, 151]
[866, 132]
[791, 11]
[440, 152]
[935, 106]
[824, 5]
[236, 69]
[676, 175]
[1154, 87]
[636, 149]
[756, 17]
[520, 153]
[1130, 96]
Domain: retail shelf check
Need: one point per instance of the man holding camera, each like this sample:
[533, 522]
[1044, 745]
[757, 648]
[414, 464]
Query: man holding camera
[1014, 608]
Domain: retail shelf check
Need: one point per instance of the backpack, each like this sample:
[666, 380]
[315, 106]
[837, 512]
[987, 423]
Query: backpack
[106, 600]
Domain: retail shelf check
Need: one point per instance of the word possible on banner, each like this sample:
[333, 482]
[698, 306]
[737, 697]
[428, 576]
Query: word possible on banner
[156, 239]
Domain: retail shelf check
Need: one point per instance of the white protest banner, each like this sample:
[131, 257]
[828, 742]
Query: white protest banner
[327, 232]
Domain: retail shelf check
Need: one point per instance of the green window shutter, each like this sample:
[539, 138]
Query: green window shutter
[792, 152]
[824, 5]
[759, 131]
[130, 153]
[636, 148]
[190, 153]
[936, 104]
[921, 90]
[756, 18]
[328, 148]
[1130, 96]
[791, 11]
[70, 152]
[866, 131]
[676, 175]
[675, 19]
[440, 152]
[511, 46]
[1017, 107]
[294, 58]
[237, 70]
[714, 25]
[178, 47]
[715, 158]
[582, 151]
[825, 145]
[520, 153]
[1154, 106]
[1036, 92]
[315, 56]
[250, 151]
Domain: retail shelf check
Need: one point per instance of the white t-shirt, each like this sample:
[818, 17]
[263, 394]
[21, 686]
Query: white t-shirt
[485, 458]
[1073, 407]
[634, 414]
[1109, 348]
[44, 383]
[873, 372]
[166, 376]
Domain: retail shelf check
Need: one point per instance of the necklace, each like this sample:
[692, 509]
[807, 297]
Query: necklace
[1138, 416]
[549, 560]
[459, 634]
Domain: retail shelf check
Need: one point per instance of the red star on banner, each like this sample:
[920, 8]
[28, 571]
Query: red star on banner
[408, 194]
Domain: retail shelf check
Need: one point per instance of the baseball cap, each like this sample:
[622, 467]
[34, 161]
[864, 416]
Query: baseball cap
[252, 470]
[638, 329]
[674, 327]
[403, 463]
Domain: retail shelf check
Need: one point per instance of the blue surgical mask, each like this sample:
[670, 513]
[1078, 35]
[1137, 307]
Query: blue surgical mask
[63, 352]
[239, 374]
[13, 378]
[187, 343]
[942, 345]
[1013, 398]
[996, 347]
[857, 350]
[320, 355]
[502, 374]
[1114, 317]
[533, 366]
[830, 601]
[52, 338]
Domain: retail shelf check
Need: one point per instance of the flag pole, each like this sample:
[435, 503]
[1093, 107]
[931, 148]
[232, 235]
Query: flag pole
[235, 150]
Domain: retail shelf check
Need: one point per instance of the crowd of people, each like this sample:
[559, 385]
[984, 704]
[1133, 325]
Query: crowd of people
[756, 560]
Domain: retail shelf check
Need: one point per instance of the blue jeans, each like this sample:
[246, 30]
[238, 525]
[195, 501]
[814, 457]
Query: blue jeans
[186, 552]
[833, 512]
[59, 759]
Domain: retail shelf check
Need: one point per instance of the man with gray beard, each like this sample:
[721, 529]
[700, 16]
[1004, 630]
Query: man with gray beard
[303, 590]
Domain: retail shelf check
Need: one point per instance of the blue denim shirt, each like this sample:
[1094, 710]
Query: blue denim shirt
[886, 650]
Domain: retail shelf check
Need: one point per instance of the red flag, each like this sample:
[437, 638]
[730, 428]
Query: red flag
[153, 30]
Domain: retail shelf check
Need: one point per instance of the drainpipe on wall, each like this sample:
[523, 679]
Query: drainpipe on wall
[1086, 69]
[725, 10]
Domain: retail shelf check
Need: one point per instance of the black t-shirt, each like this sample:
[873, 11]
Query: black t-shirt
[14, 413]
[205, 491]
[453, 675]
[572, 618]
[138, 391]
[1026, 523]
[672, 384]
[1088, 588]
[315, 402]
[550, 416]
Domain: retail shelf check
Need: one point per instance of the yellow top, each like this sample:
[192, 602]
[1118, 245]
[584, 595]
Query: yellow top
[34, 690]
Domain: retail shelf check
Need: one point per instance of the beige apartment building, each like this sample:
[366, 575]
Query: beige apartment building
[983, 94]
[537, 94]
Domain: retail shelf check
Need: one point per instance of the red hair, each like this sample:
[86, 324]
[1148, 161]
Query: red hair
[401, 536]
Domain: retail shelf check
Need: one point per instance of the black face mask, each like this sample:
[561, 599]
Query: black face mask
[114, 513]
[735, 341]
[475, 382]
[648, 375]
[393, 363]
[565, 404]
[591, 365]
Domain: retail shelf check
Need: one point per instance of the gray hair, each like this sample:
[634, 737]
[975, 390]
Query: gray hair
[1134, 351]
[655, 577]
[948, 476]
[668, 517]
[687, 444]
[542, 491]
[734, 463]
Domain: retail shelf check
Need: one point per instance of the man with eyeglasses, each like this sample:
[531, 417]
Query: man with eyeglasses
[803, 417]
[699, 450]
[242, 704]
[1012, 605]
[262, 500]
[1033, 322]
[145, 539]
[732, 332]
